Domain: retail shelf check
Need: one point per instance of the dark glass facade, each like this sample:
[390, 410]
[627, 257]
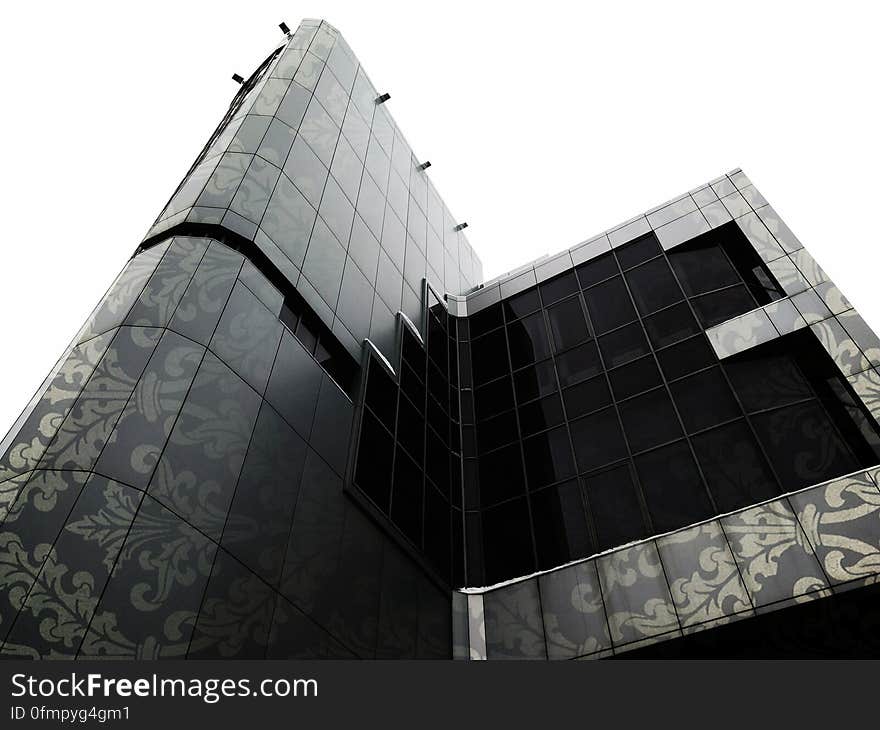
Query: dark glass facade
[300, 425]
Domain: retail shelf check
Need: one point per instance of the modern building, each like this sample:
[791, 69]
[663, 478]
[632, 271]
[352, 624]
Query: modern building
[299, 424]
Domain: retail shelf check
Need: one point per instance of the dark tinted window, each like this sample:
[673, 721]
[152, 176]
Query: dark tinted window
[671, 325]
[489, 356]
[561, 531]
[686, 357]
[636, 377]
[501, 475]
[493, 398]
[568, 324]
[597, 440]
[722, 305]
[534, 381]
[803, 445]
[600, 268]
[702, 268]
[614, 504]
[540, 414]
[558, 288]
[528, 340]
[653, 286]
[672, 486]
[578, 364]
[609, 305]
[522, 304]
[623, 345]
[735, 469]
[637, 251]
[548, 458]
[586, 397]
[649, 420]
[507, 543]
[704, 400]
[485, 320]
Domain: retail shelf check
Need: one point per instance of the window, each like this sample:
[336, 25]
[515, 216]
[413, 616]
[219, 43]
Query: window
[597, 440]
[722, 305]
[623, 345]
[649, 420]
[578, 364]
[615, 506]
[596, 270]
[609, 305]
[635, 252]
[671, 325]
[653, 286]
[702, 268]
[548, 458]
[735, 469]
[672, 486]
[586, 397]
[528, 340]
[704, 400]
[568, 324]
[637, 377]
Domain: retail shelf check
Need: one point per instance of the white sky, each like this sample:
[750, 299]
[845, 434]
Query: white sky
[546, 123]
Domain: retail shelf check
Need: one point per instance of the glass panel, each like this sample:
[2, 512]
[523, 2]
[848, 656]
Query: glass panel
[489, 357]
[522, 304]
[199, 468]
[635, 377]
[556, 289]
[407, 497]
[501, 475]
[649, 420]
[528, 340]
[842, 521]
[642, 249]
[671, 325]
[540, 415]
[615, 506]
[596, 270]
[586, 397]
[514, 627]
[702, 574]
[774, 556]
[803, 445]
[497, 431]
[735, 470]
[623, 345]
[262, 509]
[704, 400]
[534, 381]
[574, 614]
[609, 305]
[702, 268]
[167, 612]
[765, 381]
[560, 525]
[137, 440]
[247, 337]
[493, 398]
[548, 458]
[636, 596]
[722, 305]
[686, 357]
[653, 286]
[507, 541]
[673, 488]
[567, 323]
[578, 364]
[597, 439]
